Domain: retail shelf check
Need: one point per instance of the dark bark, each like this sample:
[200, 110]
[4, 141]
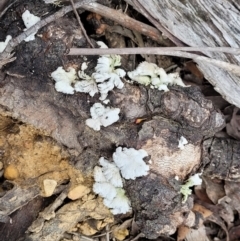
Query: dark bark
[222, 158]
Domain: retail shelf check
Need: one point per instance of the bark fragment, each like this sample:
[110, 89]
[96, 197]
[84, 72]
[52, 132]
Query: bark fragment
[221, 157]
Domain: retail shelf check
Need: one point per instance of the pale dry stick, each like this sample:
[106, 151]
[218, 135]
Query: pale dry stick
[151, 50]
[16, 41]
[107, 233]
[80, 23]
[169, 51]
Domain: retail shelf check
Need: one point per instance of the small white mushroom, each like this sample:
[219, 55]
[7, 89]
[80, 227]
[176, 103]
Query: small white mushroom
[64, 80]
[111, 172]
[182, 142]
[102, 116]
[130, 162]
[120, 203]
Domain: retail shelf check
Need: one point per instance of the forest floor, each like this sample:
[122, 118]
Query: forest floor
[48, 153]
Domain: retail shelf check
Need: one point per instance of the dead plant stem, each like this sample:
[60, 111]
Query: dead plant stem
[169, 51]
[80, 23]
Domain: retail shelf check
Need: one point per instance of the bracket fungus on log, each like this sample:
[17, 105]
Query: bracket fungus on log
[179, 112]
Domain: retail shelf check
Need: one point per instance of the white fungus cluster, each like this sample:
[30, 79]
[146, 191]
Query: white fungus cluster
[64, 80]
[108, 184]
[108, 181]
[29, 20]
[102, 116]
[150, 74]
[87, 84]
[67, 83]
[130, 162]
[105, 78]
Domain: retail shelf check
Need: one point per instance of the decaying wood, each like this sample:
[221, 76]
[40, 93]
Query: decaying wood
[16, 41]
[22, 219]
[167, 116]
[16, 198]
[68, 216]
[48, 213]
[203, 23]
[221, 157]
[131, 23]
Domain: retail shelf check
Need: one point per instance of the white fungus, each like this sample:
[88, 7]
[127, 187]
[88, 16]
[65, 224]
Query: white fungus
[195, 180]
[102, 116]
[130, 162]
[104, 79]
[105, 190]
[84, 66]
[108, 75]
[102, 45]
[119, 204]
[108, 185]
[182, 142]
[98, 174]
[4, 44]
[64, 87]
[150, 74]
[29, 20]
[64, 80]
[108, 182]
[86, 85]
[111, 172]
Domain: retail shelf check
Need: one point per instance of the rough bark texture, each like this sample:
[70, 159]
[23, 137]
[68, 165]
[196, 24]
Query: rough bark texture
[222, 158]
[155, 203]
[203, 23]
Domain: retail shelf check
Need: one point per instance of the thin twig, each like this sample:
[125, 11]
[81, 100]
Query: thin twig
[80, 23]
[5, 5]
[169, 51]
[107, 233]
[140, 235]
[152, 50]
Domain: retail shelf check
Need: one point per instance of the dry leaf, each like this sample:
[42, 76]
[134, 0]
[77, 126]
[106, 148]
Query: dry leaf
[201, 194]
[233, 127]
[197, 234]
[182, 232]
[232, 190]
[214, 189]
[120, 234]
[200, 209]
